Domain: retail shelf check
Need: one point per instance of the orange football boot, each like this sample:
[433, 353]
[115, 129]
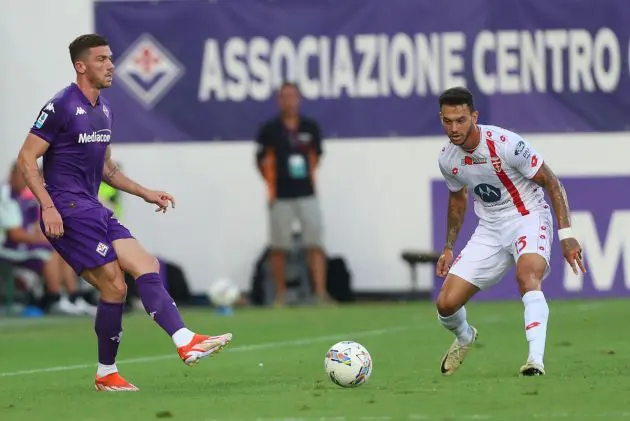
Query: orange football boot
[113, 383]
[202, 346]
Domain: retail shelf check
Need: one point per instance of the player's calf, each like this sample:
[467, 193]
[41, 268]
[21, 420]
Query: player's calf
[450, 306]
[530, 270]
[465, 336]
[455, 292]
[536, 315]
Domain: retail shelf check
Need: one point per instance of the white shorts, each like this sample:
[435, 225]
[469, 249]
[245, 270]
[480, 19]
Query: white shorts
[495, 247]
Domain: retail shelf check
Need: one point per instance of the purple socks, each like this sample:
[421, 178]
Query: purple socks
[158, 303]
[108, 328]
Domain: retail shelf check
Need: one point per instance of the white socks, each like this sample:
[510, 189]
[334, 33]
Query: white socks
[458, 324]
[182, 337]
[536, 315]
[104, 369]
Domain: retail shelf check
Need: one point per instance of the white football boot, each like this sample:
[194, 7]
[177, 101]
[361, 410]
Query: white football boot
[455, 355]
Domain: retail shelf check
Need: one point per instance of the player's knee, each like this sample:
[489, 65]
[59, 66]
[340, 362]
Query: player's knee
[530, 270]
[527, 281]
[119, 289]
[446, 306]
[115, 289]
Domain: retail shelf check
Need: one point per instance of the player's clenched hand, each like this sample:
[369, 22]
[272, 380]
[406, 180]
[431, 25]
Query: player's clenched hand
[573, 253]
[444, 262]
[160, 198]
[53, 224]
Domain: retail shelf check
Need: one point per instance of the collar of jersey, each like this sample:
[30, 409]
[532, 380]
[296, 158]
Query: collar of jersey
[84, 99]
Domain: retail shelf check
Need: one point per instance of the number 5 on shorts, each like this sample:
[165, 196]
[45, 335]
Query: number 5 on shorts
[520, 244]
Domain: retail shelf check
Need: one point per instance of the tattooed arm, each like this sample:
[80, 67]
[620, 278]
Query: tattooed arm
[457, 203]
[545, 178]
[32, 149]
[115, 178]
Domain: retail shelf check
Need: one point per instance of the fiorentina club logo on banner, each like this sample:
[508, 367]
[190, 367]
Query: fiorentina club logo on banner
[148, 70]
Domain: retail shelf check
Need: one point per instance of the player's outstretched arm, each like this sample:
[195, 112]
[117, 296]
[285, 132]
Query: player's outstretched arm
[457, 203]
[546, 178]
[32, 149]
[115, 178]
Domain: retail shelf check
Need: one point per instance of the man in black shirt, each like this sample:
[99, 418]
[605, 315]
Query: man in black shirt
[289, 150]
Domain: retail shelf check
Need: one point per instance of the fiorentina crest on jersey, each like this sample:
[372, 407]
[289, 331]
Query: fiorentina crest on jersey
[496, 163]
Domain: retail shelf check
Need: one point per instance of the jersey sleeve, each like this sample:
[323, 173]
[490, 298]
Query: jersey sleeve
[50, 122]
[521, 156]
[452, 182]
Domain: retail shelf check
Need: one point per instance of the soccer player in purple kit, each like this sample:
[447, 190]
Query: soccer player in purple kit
[73, 133]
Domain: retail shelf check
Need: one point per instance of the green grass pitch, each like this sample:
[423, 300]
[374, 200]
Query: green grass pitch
[274, 369]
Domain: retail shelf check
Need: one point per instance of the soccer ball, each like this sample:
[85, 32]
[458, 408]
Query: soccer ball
[223, 292]
[348, 364]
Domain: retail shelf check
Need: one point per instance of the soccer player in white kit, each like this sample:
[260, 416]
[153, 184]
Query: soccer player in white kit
[508, 179]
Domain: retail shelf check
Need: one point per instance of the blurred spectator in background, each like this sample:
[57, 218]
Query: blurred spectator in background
[26, 247]
[289, 151]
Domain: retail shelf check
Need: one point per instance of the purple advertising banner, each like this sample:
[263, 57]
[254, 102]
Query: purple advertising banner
[601, 223]
[199, 70]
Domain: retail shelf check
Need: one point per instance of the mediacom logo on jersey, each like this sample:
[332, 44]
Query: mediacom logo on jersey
[101, 136]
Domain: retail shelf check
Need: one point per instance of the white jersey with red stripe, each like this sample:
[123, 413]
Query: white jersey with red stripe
[498, 173]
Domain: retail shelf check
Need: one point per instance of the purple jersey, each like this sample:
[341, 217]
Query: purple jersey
[78, 134]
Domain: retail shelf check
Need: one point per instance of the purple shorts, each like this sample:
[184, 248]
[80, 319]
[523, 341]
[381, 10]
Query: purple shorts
[88, 237]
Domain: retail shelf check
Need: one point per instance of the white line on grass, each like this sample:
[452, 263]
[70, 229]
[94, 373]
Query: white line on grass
[423, 417]
[244, 348]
